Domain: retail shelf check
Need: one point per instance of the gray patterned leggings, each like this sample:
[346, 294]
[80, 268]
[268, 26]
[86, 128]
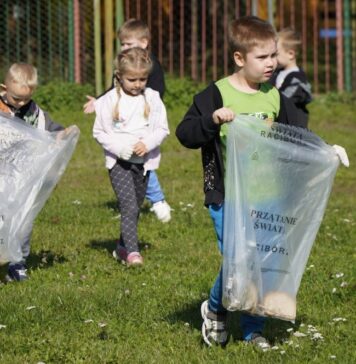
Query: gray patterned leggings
[130, 185]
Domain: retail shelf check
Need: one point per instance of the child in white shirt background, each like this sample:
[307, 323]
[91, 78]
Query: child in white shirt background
[130, 124]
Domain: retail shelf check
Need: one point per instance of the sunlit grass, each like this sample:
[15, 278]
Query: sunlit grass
[90, 309]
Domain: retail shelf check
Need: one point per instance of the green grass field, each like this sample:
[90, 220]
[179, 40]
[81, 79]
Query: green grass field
[81, 306]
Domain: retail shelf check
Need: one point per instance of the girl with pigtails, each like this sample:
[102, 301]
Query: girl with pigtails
[130, 125]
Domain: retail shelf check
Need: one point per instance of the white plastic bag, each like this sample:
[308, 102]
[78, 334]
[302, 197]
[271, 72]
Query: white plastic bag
[31, 163]
[278, 181]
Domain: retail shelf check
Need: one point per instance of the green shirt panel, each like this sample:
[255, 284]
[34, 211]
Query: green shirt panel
[264, 104]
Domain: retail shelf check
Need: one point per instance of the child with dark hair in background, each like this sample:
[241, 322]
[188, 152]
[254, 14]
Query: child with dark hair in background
[130, 125]
[135, 33]
[290, 79]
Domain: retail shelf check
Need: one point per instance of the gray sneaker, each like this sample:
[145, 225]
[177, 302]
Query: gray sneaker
[214, 326]
[260, 342]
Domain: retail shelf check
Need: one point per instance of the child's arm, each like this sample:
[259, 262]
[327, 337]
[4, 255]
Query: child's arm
[89, 106]
[198, 127]
[161, 131]
[50, 125]
[196, 130]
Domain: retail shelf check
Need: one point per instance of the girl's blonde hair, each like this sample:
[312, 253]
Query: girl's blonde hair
[133, 59]
[23, 74]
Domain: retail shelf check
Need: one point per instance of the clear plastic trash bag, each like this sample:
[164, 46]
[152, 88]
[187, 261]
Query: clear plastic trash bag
[278, 181]
[31, 163]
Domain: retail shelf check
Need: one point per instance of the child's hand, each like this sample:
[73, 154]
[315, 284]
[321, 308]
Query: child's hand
[140, 149]
[88, 107]
[223, 115]
[63, 133]
[125, 152]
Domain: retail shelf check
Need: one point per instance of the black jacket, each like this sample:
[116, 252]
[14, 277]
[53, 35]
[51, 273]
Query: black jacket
[198, 130]
[297, 89]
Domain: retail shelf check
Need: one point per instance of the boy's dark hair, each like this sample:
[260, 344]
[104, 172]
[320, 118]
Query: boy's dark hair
[248, 32]
[134, 28]
[290, 39]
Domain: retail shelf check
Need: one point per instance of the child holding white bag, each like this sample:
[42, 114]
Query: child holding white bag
[130, 124]
[20, 83]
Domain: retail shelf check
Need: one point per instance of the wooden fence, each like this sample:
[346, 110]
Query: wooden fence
[74, 40]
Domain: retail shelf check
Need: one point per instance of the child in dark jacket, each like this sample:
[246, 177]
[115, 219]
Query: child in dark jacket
[246, 91]
[290, 79]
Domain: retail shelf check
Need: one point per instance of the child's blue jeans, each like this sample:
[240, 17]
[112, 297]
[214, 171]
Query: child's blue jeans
[154, 192]
[249, 324]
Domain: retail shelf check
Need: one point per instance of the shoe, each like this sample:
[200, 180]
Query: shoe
[260, 342]
[131, 259]
[134, 258]
[162, 210]
[214, 326]
[120, 253]
[16, 272]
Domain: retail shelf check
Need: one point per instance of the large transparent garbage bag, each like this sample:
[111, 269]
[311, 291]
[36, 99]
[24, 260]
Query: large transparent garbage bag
[31, 163]
[278, 181]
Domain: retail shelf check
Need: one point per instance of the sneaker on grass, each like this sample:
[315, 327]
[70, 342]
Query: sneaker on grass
[214, 326]
[131, 259]
[259, 341]
[162, 210]
[16, 273]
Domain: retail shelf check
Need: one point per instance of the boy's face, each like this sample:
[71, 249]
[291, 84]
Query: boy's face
[284, 57]
[259, 63]
[17, 95]
[133, 82]
[131, 42]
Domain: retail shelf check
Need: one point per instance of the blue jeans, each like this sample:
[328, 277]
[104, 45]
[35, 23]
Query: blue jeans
[154, 192]
[249, 324]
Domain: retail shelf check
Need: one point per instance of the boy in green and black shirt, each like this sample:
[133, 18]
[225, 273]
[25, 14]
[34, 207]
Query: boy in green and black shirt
[246, 91]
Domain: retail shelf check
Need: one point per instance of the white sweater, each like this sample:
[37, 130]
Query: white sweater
[112, 141]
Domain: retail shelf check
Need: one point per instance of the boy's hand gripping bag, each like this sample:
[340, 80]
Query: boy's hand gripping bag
[31, 163]
[278, 181]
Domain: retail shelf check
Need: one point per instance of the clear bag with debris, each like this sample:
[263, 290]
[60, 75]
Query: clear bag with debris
[278, 181]
[31, 163]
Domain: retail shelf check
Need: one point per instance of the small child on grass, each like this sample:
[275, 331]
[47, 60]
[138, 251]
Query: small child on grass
[130, 125]
[290, 79]
[246, 91]
[135, 33]
[16, 93]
